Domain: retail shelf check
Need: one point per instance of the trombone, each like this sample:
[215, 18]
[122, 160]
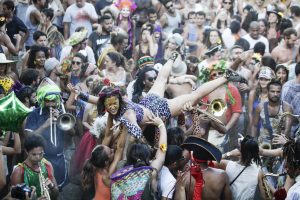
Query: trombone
[64, 121]
[215, 109]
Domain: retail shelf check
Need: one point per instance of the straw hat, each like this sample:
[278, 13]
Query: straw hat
[77, 37]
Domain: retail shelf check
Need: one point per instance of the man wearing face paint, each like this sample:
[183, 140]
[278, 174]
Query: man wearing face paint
[39, 122]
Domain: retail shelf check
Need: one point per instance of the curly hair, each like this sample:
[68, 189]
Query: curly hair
[32, 54]
[109, 92]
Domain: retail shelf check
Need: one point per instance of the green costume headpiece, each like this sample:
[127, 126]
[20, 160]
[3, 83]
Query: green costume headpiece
[204, 74]
[48, 90]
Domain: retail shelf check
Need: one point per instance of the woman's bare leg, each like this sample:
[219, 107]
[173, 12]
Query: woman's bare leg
[177, 103]
[160, 83]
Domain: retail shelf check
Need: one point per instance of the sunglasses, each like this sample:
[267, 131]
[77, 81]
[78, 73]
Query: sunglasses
[77, 63]
[229, 3]
[216, 74]
[151, 79]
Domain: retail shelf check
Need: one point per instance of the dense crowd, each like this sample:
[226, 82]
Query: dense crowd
[150, 99]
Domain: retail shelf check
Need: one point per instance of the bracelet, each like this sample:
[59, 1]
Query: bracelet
[161, 125]
[84, 96]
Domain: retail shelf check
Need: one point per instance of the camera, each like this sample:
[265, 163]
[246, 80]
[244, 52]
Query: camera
[19, 191]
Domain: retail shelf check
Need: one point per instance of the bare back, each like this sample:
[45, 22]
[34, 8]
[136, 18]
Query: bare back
[216, 185]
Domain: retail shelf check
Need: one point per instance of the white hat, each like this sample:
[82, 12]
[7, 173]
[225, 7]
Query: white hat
[3, 59]
[179, 69]
[50, 64]
[177, 38]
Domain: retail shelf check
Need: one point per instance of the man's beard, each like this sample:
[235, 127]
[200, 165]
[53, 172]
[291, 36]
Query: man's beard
[290, 46]
[274, 99]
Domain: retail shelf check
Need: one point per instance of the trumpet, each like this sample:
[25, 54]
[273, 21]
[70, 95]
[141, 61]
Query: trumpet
[64, 121]
[217, 107]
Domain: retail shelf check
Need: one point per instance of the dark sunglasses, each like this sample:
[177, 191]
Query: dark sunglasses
[217, 74]
[151, 79]
[77, 63]
[229, 3]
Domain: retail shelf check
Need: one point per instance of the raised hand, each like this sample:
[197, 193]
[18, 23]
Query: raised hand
[155, 120]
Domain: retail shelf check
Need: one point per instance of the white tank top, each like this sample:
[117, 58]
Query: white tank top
[173, 22]
[244, 186]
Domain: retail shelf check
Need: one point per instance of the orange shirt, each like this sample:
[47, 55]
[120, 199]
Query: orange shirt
[102, 191]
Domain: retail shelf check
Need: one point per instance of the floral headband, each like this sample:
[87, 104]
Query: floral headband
[108, 94]
[204, 75]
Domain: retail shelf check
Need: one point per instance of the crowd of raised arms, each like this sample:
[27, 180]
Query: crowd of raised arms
[150, 99]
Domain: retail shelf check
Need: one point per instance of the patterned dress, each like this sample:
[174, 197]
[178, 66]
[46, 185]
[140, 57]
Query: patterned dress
[153, 102]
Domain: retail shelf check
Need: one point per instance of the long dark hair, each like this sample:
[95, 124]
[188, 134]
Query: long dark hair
[278, 67]
[97, 160]
[250, 151]
[108, 92]
[291, 152]
[139, 155]
[208, 44]
[139, 85]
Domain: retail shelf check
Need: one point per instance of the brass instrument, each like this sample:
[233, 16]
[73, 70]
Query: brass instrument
[265, 145]
[64, 121]
[44, 187]
[211, 116]
[215, 109]
[266, 187]
[268, 194]
[279, 126]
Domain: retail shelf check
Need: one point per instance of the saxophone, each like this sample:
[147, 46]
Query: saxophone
[44, 188]
[280, 125]
[267, 190]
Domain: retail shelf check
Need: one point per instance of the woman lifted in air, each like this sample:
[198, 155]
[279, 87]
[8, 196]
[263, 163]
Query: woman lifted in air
[135, 117]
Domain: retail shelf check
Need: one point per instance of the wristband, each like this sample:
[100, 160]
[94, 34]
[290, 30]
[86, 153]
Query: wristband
[84, 96]
[160, 125]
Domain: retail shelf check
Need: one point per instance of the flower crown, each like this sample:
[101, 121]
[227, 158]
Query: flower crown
[204, 74]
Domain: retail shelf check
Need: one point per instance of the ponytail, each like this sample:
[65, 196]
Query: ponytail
[88, 175]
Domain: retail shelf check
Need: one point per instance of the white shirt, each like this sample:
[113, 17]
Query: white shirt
[294, 191]
[228, 38]
[78, 17]
[166, 183]
[252, 41]
[244, 186]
